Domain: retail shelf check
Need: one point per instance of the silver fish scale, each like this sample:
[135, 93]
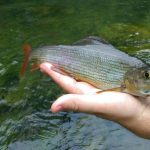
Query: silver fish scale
[101, 65]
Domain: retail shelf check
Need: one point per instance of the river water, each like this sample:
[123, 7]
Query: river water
[26, 122]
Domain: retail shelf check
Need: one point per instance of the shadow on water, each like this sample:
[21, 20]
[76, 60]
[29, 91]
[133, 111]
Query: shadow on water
[25, 119]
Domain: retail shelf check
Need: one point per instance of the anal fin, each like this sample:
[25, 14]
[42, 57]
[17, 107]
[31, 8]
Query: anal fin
[34, 67]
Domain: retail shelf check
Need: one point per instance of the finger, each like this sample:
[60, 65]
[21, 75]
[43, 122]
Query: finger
[67, 83]
[86, 103]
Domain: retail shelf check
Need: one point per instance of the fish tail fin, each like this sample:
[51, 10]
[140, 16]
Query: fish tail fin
[27, 52]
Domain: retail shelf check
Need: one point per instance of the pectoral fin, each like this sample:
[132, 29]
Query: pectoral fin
[118, 89]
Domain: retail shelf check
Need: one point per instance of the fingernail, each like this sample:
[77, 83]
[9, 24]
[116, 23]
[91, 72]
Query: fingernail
[46, 65]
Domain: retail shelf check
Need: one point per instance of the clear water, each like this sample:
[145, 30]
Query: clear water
[25, 119]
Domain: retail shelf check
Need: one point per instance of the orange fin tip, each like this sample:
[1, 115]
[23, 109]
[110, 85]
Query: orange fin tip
[27, 53]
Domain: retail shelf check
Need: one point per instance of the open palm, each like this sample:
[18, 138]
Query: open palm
[127, 110]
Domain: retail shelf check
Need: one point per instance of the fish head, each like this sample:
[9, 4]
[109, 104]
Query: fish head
[137, 81]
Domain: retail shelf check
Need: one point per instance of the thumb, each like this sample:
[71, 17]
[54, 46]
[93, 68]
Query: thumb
[109, 105]
[104, 103]
[75, 102]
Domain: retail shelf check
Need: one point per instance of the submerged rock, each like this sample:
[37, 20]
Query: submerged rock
[144, 55]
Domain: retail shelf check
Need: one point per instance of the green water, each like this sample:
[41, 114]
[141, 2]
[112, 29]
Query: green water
[25, 118]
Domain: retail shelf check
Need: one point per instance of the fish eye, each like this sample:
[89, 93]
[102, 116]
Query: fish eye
[146, 75]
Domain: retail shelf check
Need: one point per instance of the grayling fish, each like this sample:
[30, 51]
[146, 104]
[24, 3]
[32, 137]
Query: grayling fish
[97, 62]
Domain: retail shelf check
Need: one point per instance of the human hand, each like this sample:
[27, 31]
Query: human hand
[125, 109]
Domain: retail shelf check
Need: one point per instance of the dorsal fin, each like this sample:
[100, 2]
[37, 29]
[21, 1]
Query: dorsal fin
[91, 40]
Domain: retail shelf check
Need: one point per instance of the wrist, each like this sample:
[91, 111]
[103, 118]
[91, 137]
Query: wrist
[140, 124]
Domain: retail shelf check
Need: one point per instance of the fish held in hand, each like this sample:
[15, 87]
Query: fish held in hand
[96, 62]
